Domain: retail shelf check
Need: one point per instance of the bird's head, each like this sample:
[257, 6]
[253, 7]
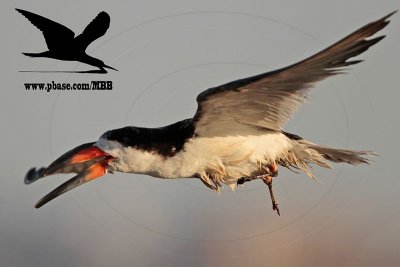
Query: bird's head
[96, 62]
[102, 65]
[87, 161]
[108, 67]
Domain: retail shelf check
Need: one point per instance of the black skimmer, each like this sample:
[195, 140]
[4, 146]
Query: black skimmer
[235, 136]
[63, 44]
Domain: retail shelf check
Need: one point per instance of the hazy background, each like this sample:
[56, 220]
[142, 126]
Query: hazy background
[168, 52]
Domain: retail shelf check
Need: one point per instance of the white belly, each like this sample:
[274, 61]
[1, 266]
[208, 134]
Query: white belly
[225, 159]
[230, 158]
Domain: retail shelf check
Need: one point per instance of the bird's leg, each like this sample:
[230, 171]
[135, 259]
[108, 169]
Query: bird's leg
[242, 180]
[273, 172]
[273, 169]
[268, 181]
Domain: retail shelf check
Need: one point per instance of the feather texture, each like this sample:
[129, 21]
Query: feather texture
[269, 100]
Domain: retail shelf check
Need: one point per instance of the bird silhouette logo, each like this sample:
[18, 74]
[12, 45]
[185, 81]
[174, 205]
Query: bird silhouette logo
[62, 43]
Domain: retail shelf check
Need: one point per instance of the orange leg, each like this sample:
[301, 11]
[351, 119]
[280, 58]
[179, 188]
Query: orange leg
[273, 169]
[268, 181]
[273, 172]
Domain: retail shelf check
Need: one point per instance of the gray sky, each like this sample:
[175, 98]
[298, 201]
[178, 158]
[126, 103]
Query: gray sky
[166, 54]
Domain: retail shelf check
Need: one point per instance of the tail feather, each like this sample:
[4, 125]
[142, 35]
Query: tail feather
[352, 157]
[33, 54]
[305, 152]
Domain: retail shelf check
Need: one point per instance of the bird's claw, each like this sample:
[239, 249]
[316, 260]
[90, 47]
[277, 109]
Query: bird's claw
[275, 207]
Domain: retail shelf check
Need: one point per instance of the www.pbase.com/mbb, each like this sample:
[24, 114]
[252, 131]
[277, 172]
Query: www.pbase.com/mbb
[54, 86]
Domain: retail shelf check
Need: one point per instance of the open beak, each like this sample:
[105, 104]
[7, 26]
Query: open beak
[106, 66]
[88, 161]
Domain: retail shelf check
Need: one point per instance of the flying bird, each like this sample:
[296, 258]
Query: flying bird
[63, 44]
[236, 135]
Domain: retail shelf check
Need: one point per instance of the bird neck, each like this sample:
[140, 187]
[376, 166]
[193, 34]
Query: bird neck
[152, 151]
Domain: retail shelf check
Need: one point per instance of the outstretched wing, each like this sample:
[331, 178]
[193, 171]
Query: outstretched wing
[268, 100]
[55, 34]
[96, 28]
